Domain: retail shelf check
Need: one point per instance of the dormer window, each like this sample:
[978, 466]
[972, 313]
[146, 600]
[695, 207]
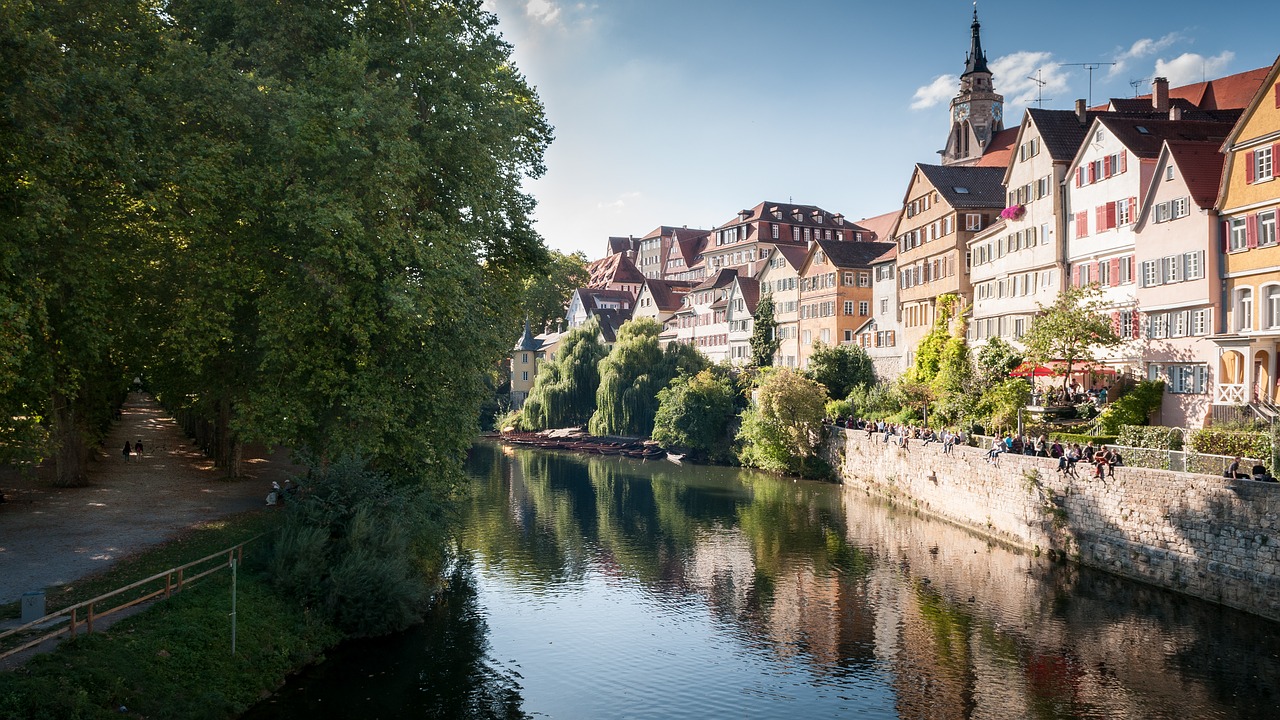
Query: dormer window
[961, 190]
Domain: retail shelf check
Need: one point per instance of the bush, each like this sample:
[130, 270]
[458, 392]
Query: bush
[1134, 408]
[839, 409]
[359, 550]
[1083, 439]
[694, 413]
[873, 401]
[1158, 437]
[1215, 441]
[1086, 411]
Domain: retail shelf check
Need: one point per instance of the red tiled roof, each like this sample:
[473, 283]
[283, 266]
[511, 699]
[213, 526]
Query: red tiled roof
[750, 293]
[1232, 92]
[668, 294]
[882, 226]
[1000, 150]
[1200, 164]
[616, 268]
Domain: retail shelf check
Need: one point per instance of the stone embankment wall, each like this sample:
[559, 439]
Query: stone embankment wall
[1210, 537]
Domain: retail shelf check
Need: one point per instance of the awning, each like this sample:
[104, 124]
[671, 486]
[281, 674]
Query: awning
[1032, 370]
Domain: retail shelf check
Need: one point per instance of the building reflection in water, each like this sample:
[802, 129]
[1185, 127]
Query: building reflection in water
[851, 585]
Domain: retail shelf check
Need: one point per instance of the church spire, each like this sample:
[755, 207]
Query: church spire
[976, 60]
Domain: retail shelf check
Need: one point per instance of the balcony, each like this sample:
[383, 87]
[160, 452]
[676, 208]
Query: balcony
[1229, 394]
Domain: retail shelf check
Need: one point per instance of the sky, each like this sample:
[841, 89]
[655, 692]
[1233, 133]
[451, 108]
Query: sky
[683, 112]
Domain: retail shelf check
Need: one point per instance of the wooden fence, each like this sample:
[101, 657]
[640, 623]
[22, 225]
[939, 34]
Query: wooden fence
[83, 615]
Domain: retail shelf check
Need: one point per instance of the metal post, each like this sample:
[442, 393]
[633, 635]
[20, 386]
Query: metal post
[233, 606]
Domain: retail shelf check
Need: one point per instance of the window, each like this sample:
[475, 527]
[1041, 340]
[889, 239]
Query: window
[1085, 274]
[848, 307]
[1126, 323]
[773, 230]
[524, 358]
[1272, 300]
[1019, 327]
[1200, 322]
[1162, 212]
[1104, 273]
[1239, 235]
[1124, 214]
[972, 221]
[524, 375]
[1262, 164]
[1244, 309]
[1267, 228]
[864, 279]
[1181, 207]
[848, 336]
[1182, 379]
[807, 337]
[1194, 265]
[1172, 268]
[826, 335]
[1158, 325]
[864, 307]
[1168, 175]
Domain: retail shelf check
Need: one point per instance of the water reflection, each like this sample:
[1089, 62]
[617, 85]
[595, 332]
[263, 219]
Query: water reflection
[605, 587]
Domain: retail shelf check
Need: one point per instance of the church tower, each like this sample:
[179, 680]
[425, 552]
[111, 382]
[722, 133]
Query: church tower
[977, 112]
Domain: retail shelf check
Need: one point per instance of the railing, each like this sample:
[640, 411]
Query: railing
[84, 614]
[1157, 459]
[1224, 394]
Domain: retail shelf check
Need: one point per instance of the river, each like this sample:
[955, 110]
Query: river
[603, 587]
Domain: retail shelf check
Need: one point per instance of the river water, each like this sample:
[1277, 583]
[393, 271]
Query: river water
[602, 587]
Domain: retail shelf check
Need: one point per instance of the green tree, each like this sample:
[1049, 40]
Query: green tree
[1134, 408]
[544, 295]
[564, 390]
[782, 430]
[993, 363]
[929, 351]
[840, 368]
[764, 334]
[636, 369]
[694, 412]
[1070, 330]
[1000, 404]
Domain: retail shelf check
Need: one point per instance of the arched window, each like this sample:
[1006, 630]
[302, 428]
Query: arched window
[1272, 299]
[1244, 309]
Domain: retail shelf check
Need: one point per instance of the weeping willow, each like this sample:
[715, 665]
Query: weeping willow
[631, 376]
[564, 390]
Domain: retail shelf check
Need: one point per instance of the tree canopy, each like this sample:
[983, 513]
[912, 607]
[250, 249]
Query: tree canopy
[781, 431]
[841, 368]
[694, 413]
[304, 223]
[764, 333]
[636, 369]
[564, 390]
[1070, 330]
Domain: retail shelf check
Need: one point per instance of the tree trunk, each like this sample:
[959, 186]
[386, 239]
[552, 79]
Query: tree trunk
[71, 454]
[226, 453]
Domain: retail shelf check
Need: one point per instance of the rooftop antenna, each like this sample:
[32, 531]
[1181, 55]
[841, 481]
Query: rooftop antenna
[1090, 66]
[1135, 84]
[1040, 83]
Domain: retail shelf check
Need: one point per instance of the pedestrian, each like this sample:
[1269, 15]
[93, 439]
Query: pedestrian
[127, 449]
[137, 448]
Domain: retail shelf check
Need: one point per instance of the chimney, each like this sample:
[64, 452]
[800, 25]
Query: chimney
[1175, 113]
[1160, 94]
[1080, 110]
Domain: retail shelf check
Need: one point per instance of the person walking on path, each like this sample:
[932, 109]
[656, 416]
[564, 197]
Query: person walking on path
[127, 449]
[137, 448]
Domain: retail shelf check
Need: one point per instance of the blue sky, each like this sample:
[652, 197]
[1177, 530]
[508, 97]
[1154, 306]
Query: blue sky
[682, 113]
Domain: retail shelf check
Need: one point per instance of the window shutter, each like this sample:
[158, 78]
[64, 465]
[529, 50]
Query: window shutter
[1100, 217]
[1124, 161]
[1075, 276]
[1225, 230]
[1079, 176]
[1136, 325]
[1106, 166]
[1133, 211]
[1111, 215]
[1115, 321]
[1249, 167]
[1115, 272]
[1093, 173]
[1251, 231]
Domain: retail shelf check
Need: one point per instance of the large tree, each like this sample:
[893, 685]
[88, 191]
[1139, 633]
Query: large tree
[564, 390]
[781, 431]
[1070, 331]
[636, 369]
[841, 368]
[545, 294]
[694, 413]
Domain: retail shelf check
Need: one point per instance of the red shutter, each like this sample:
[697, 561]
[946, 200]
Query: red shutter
[1100, 217]
[1137, 324]
[1079, 176]
[1075, 276]
[1278, 95]
[1115, 321]
[1249, 168]
[1124, 160]
[1111, 214]
[1133, 210]
[1106, 167]
[1115, 272]
[1251, 230]
[1097, 271]
[1093, 173]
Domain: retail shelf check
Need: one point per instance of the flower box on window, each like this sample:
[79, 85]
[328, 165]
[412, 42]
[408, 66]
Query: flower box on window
[1013, 212]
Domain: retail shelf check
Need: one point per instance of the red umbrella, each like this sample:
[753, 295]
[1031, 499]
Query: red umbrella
[1030, 370]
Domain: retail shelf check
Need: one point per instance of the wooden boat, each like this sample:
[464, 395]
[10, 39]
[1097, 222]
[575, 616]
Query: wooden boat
[675, 457]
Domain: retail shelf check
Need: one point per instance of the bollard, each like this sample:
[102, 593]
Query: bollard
[32, 606]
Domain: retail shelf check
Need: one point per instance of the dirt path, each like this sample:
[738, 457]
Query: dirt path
[53, 536]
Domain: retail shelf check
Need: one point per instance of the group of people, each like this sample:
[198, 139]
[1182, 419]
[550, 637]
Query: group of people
[132, 449]
[902, 435]
[1258, 472]
[1073, 395]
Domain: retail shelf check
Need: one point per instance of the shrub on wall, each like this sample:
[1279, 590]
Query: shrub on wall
[1134, 408]
[1215, 441]
[1155, 436]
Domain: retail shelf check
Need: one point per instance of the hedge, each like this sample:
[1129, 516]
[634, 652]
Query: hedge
[1213, 441]
[1157, 437]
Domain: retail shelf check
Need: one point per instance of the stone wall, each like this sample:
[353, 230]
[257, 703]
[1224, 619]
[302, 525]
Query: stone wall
[1205, 536]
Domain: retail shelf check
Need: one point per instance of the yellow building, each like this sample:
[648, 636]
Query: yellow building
[1248, 203]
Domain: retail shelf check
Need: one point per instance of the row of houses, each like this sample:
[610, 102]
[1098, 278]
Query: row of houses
[1167, 202]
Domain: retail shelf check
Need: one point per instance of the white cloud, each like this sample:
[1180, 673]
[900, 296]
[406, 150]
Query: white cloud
[1190, 68]
[544, 11]
[1139, 49]
[942, 89]
[620, 203]
[1012, 77]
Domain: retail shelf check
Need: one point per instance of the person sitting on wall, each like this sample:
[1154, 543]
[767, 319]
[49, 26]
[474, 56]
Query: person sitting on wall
[997, 447]
[1113, 459]
[1261, 475]
[1233, 471]
[1100, 463]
